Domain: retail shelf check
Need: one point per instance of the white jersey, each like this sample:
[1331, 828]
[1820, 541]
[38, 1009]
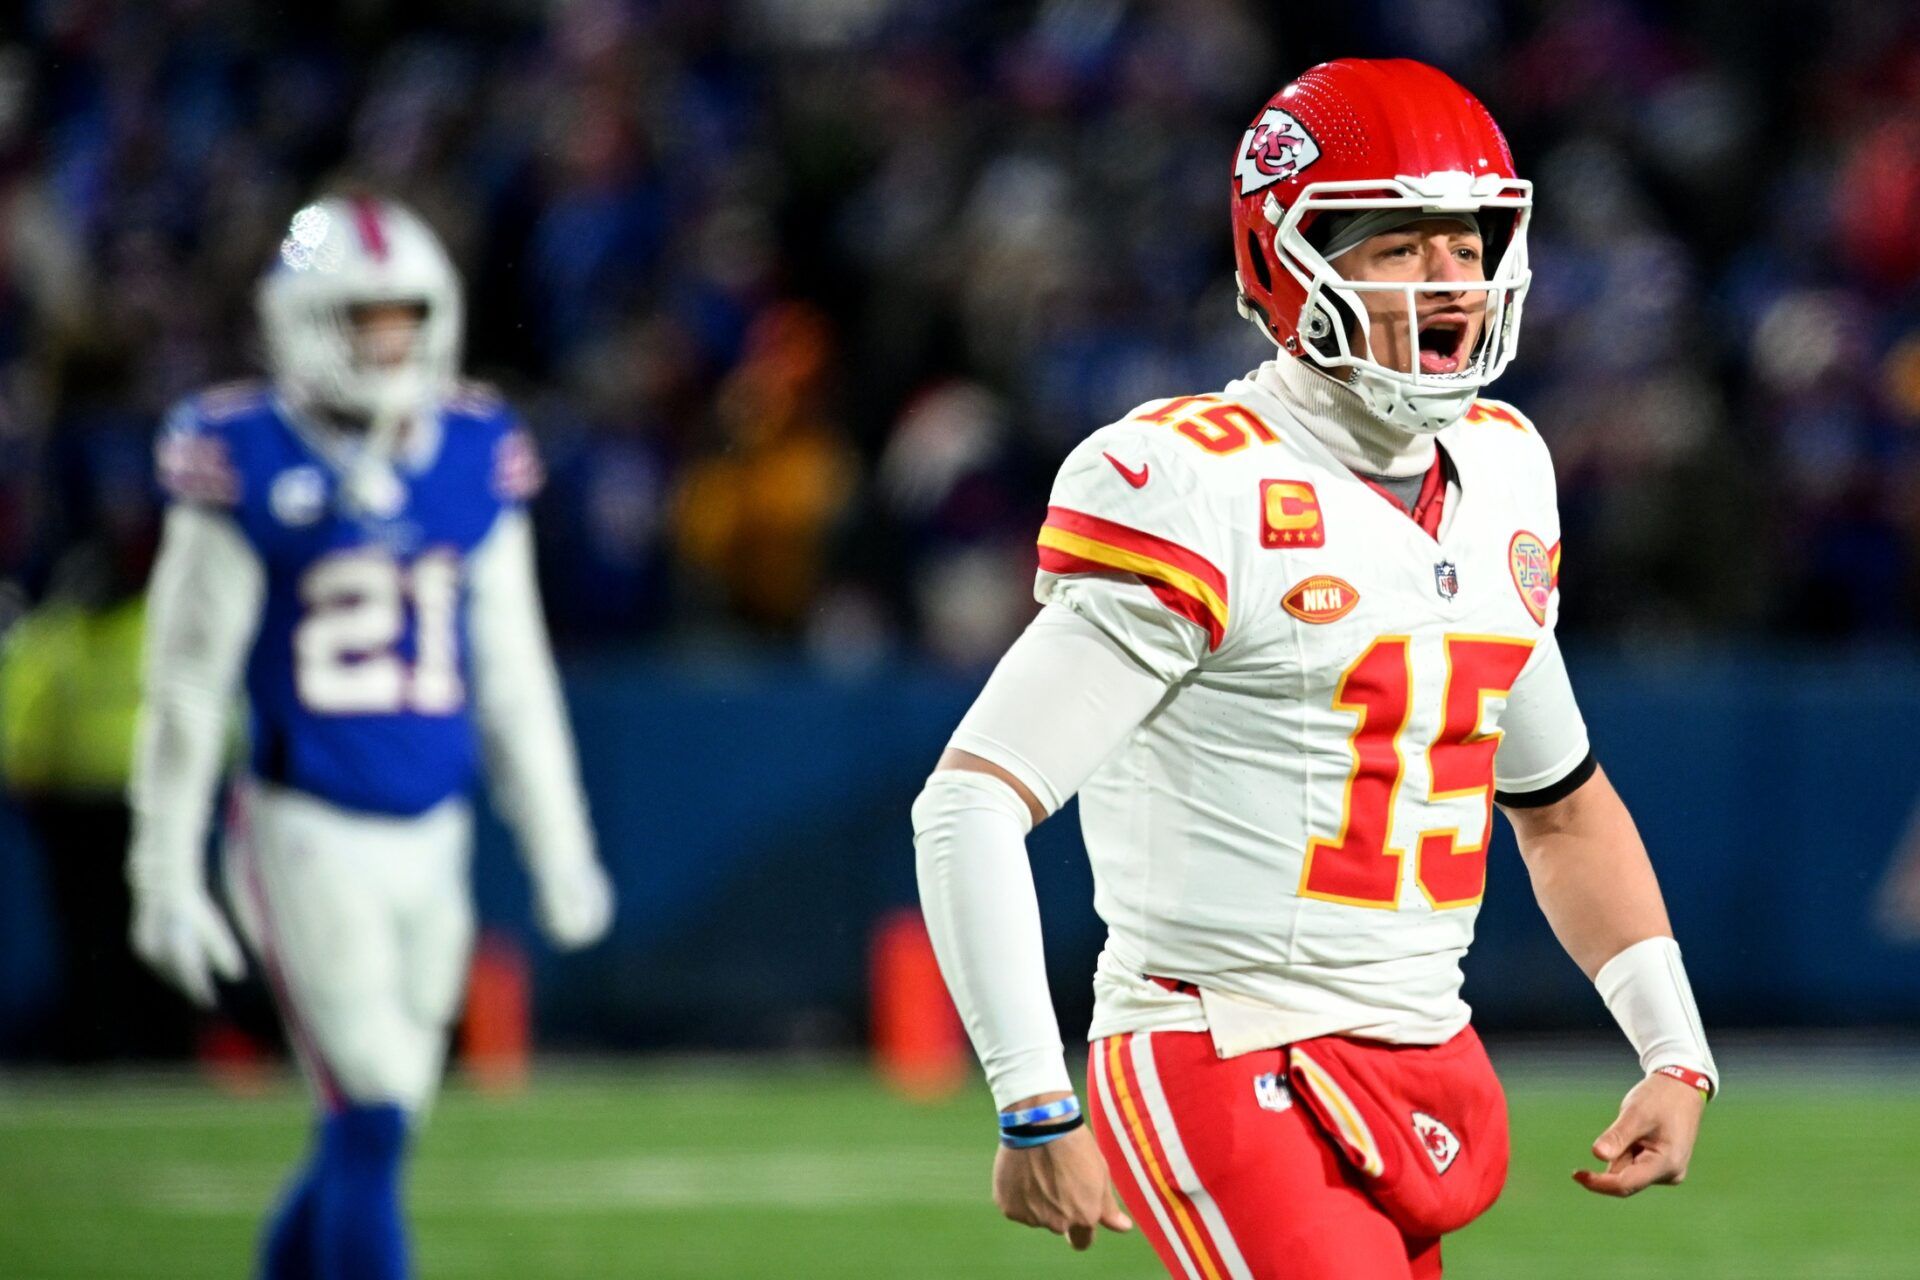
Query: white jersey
[1299, 829]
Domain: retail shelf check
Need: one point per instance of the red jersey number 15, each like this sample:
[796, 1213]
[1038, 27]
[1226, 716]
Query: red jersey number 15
[1357, 867]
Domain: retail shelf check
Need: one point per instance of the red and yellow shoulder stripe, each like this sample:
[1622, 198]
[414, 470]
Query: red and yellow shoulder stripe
[1189, 584]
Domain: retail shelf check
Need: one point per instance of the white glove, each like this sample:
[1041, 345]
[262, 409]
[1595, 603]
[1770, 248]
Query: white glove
[182, 936]
[575, 903]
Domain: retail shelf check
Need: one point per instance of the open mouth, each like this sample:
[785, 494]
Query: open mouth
[1443, 341]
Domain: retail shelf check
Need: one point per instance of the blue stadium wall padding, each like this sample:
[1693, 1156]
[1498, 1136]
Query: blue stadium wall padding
[755, 819]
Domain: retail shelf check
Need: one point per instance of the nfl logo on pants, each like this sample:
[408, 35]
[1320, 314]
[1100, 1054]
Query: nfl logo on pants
[1446, 579]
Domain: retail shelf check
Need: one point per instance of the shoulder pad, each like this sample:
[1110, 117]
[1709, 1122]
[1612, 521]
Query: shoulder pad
[1195, 428]
[476, 400]
[1134, 498]
[227, 401]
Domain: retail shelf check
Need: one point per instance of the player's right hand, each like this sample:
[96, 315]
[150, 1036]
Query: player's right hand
[1651, 1142]
[1062, 1186]
[575, 903]
[182, 936]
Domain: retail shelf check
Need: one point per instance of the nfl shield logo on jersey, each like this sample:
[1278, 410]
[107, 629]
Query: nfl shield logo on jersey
[1446, 579]
[1436, 1140]
[1271, 1092]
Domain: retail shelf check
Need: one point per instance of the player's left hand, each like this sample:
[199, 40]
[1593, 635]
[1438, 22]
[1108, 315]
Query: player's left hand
[575, 902]
[1652, 1140]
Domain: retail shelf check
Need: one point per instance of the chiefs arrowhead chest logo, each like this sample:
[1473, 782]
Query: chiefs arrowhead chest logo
[1274, 149]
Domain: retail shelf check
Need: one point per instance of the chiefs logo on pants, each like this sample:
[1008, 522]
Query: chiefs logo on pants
[1331, 1159]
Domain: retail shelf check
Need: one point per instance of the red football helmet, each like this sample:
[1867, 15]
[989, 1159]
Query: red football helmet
[1359, 134]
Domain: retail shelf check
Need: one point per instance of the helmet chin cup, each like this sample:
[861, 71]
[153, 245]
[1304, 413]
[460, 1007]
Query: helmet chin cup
[389, 393]
[1422, 413]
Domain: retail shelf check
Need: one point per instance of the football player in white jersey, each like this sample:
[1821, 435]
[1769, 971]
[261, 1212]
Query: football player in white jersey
[1297, 643]
[349, 547]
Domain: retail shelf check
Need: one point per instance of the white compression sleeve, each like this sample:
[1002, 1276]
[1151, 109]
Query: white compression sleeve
[969, 835]
[203, 607]
[531, 762]
[1646, 989]
[1058, 704]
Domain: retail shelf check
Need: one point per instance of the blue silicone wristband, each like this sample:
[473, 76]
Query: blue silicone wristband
[1036, 1140]
[1059, 1109]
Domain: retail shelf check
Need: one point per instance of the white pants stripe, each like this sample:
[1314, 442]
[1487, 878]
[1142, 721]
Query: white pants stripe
[1161, 1116]
[1124, 1137]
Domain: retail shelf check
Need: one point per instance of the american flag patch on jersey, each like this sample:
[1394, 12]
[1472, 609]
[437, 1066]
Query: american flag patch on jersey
[517, 473]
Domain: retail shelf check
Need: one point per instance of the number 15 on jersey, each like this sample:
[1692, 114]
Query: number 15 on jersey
[1357, 867]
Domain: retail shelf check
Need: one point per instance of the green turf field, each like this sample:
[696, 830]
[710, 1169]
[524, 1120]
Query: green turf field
[797, 1173]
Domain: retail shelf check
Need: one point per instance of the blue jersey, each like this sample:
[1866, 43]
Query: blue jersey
[359, 674]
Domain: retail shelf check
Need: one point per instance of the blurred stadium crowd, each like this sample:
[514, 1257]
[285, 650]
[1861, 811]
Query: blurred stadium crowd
[804, 301]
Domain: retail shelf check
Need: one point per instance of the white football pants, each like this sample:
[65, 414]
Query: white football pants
[363, 926]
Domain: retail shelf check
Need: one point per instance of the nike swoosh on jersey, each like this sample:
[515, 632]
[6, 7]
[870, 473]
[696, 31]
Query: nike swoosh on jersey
[1138, 479]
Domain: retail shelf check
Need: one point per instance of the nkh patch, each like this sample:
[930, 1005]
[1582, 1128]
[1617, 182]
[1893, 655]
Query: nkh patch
[1532, 566]
[1273, 149]
[1321, 598]
[1271, 1092]
[1436, 1140]
[1446, 579]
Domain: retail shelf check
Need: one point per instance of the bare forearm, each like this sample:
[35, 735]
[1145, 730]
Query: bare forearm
[1591, 874]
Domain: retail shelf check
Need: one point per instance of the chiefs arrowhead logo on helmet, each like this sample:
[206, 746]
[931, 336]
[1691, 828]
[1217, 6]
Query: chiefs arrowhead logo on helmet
[1276, 147]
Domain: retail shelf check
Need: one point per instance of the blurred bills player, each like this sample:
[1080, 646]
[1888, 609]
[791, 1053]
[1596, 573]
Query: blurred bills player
[350, 547]
[1298, 642]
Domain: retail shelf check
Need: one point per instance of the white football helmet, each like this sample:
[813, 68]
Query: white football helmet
[344, 252]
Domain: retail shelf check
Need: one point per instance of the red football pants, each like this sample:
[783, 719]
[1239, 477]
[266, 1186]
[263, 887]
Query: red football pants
[1225, 1186]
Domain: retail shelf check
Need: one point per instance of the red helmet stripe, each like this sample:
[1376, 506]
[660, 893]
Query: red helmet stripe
[366, 220]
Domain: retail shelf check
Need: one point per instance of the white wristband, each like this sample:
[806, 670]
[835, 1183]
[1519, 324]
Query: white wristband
[1646, 990]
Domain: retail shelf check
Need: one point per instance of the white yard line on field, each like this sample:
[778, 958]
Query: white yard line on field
[775, 1179]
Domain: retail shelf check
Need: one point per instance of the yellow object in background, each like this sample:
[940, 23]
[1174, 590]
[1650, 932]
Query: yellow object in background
[69, 698]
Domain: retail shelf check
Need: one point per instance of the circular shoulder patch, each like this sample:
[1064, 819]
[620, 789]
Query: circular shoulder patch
[1532, 567]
